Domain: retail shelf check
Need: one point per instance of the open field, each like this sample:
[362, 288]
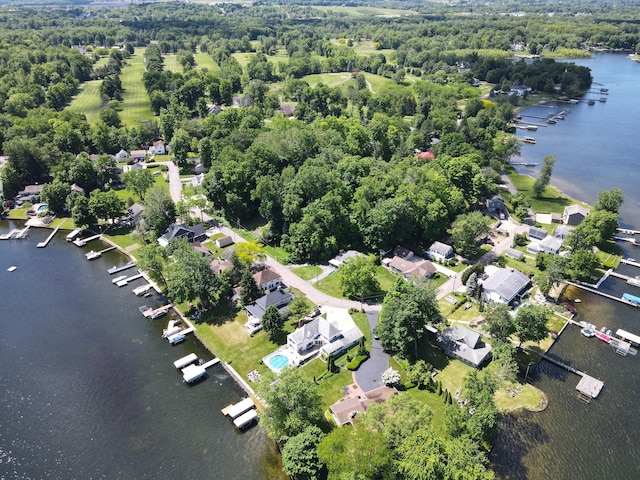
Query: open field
[244, 57]
[366, 11]
[88, 102]
[136, 106]
[329, 79]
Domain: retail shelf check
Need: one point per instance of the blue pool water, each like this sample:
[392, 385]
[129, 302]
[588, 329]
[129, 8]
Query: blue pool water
[278, 361]
[42, 207]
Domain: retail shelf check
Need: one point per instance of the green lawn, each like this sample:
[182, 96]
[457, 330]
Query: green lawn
[136, 106]
[204, 60]
[331, 283]
[552, 201]
[329, 79]
[88, 101]
[307, 272]
[377, 82]
[171, 63]
[244, 57]
[330, 387]
[367, 48]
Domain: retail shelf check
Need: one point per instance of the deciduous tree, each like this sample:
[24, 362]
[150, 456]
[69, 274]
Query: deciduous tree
[466, 229]
[358, 278]
[138, 181]
[300, 454]
[531, 323]
[272, 321]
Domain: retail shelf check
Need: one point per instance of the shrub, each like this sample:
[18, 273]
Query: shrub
[390, 377]
[356, 362]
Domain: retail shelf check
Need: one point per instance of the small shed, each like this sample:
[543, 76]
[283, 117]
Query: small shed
[224, 242]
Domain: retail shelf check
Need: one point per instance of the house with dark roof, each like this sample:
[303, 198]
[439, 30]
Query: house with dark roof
[214, 108]
[465, 345]
[403, 252]
[440, 251]
[506, 285]
[536, 233]
[279, 298]
[574, 214]
[192, 234]
[268, 279]
[495, 204]
[134, 213]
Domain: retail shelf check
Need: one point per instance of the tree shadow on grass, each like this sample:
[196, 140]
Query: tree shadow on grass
[219, 315]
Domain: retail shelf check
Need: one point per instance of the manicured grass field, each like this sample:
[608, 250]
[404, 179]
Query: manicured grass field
[204, 60]
[171, 63]
[88, 102]
[552, 201]
[331, 284]
[307, 272]
[136, 106]
[366, 11]
[244, 57]
[329, 79]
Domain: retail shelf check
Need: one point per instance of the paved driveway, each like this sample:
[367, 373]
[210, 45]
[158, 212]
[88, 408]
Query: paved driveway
[369, 373]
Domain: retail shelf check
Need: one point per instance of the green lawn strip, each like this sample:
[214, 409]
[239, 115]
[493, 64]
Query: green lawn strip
[171, 63]
[329, 385]
[103, 61]
[528, 266]
[20, 213]
[330, 285]
[329, 79]
[88, 101]
[204, 60]
[136, 106]
[123, 238]
[307, 272]
[361, 321]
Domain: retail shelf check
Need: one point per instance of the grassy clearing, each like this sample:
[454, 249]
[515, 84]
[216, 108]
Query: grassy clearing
[307, 272]
[330, 387]
[136, 106]
[366, 11]
[377, 82]
[329, 79]
[509, 399]
[88, 101]
[331, 283]
[244, 57]
[368, 49]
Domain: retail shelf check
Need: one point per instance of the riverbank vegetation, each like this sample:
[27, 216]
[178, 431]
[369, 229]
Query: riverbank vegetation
[332, 129]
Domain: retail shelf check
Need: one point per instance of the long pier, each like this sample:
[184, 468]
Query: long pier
[602, 294]
[628, 231]
[588, 386]
[630, 262]
[125, 281]
[46, 242]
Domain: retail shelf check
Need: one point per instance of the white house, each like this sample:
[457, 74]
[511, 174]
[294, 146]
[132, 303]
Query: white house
[506, 285]
[158, 148]
[267, 279]
[122, 155]
[440, 251]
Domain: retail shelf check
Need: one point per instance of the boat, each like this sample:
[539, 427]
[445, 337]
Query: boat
[591, 102]
[603, 99]
[604, 90]
[142, 290]
[528, 140]
[532, 128]
[11, 269]
[587, 332]
[243, 406]
[577, 300]
[92, 255]
[631, 298]
[171, 329]
[72, 236]
[603, 336]
[176, 338]
[245, 419]
[118, 279]
[193, 373]
[186, 360]
[551, 121]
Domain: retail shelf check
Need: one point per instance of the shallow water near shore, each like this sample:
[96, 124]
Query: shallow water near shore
[88, 386]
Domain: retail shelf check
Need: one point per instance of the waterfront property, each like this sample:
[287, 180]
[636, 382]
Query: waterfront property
[345, 411]
[279, 298]
[506, 285]
[175, 231]
[465, 345]
[574, 214]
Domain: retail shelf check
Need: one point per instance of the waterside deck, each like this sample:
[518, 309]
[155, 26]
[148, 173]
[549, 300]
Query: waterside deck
[46, 242]
[122, 268]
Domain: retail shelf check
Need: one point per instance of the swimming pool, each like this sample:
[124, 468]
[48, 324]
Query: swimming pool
[42, 207]
[278, 361]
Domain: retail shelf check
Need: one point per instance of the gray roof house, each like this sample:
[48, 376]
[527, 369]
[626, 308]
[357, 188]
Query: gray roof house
[465, 345]
[546, 245]
[324, 336]
[193, 234]
[536, 233]
[505, 286]
[440, 251]
[563, 231]
[134, 213]
[515, 254]
[224, 242]
[574, 214]
[495, 204]
[279, 298]
[344, 257]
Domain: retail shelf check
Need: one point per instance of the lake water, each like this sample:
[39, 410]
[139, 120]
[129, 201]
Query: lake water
[596, 150]
[88, 388]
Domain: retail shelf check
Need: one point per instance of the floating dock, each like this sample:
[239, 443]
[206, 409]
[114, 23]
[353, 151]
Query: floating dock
[125, 281]
[46, 242]
[122, 268]
[153, 313]
[588, 387]
[632, 338]
[118, 279]
[81, 242]
[92, 255]
[142, 289]
[15, 234]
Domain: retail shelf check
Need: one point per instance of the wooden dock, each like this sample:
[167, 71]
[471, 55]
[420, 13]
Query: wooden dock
[93, 255]
[629, 262]
[125, 281]
[46, 242]
[210, 363]
[588, 386]
[628, 231]
[15, 234]
[115, 269]
[81, 242]
[602, 294]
